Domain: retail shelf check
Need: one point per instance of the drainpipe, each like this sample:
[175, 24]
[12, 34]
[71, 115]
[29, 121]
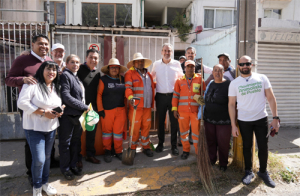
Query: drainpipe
[142, 12]
[48, 16]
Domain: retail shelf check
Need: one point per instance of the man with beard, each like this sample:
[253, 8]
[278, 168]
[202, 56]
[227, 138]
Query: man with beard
[229, 74]
[250, 91]
[190, 54]
[166, 71]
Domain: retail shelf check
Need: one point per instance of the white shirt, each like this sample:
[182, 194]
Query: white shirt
[166, 75]
[30, 99]
[250, 96]
[38, 57]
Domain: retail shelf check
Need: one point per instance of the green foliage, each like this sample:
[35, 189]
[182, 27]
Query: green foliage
[182, 25]
[288, 176]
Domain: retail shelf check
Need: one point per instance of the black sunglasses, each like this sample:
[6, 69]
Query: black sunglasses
[247, 64]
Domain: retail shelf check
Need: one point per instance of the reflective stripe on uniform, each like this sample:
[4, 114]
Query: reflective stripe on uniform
[176, 93]
[194, 103]
[184, 133]
[195, 141]
[130, 83]
[138, 88]
[134, 143]
[184, 140]
[176, 97]
[145, 144]
[183, 103]
[144, 138]
[118, 135]
[195, 135]
[128, 87]
[138, 95]
[184, 97]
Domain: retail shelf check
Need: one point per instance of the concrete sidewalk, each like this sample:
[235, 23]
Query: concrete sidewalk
[113, 178]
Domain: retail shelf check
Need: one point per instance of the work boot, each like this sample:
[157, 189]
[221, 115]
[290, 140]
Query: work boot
[148, 152]
[175, 151]
[248, 177]
[266, 178]
[119, 156]
[159, 148]
[107, 156]
[185, 155]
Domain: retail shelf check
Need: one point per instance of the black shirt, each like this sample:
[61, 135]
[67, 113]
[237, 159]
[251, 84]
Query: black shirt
[90, 80]
[216, 104]
[114, 92]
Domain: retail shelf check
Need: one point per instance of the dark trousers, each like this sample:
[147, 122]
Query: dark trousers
[69, 143]
[260, 128]
[218, 137]
[28, 156]
[164, 104]
[90, 142]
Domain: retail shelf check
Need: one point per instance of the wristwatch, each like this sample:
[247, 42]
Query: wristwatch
[276, 117]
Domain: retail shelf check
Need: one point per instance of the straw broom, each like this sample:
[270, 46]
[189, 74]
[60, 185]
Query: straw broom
[203, 160]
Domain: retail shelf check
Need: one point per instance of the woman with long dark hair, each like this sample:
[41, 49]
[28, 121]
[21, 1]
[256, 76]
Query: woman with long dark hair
[40, 122]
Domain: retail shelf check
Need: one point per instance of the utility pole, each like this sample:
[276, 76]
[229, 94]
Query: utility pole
[247, 40]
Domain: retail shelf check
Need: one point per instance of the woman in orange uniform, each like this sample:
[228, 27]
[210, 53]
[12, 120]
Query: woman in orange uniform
[111, 107]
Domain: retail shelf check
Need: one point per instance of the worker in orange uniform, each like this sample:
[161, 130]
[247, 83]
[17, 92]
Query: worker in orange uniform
[185, 108]
[111, 107]
[139, 83]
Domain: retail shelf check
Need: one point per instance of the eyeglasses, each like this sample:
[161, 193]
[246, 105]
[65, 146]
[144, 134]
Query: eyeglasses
[243, 64]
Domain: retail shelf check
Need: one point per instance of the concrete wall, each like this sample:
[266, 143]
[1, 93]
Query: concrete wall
[290, 10]
[209, 48]
[73, 10]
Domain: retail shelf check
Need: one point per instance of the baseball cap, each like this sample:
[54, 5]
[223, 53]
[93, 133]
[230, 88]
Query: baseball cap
[58, 45]
[189, 62]
[91, 119]
[224, 54]
[182, 57]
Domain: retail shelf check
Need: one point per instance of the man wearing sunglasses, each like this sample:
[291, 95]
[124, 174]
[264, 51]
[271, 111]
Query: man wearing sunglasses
[250, 91]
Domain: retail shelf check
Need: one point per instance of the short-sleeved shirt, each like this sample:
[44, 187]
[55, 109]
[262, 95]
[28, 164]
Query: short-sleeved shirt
[250, 96]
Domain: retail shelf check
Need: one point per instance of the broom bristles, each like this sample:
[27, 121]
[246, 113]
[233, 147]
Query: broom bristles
[203, 163]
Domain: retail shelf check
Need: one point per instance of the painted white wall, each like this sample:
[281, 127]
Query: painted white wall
[290, 10]
[209, 48]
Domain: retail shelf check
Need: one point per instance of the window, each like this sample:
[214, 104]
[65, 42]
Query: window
[272, 13]
[57, 12]
[106, 14]
[216, 17]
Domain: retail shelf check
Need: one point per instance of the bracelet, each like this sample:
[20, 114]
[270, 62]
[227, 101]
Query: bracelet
[43, 113]
[276, 117]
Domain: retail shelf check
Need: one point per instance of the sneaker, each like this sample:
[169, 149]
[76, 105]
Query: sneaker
[119, 156]
[266, 178]
[248, 177]
[107, 156]
[148, 152]
[50, 190]
[37, 192]
[223, 168]
[185, 155]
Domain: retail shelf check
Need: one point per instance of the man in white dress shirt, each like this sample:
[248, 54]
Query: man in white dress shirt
[166, 71]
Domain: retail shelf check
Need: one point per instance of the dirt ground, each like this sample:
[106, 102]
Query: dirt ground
[229, 182]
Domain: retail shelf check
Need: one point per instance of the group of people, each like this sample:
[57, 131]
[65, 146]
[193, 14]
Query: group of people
[54, 94]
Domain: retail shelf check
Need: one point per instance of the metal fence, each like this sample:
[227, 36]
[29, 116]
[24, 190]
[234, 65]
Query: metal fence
[14, 39]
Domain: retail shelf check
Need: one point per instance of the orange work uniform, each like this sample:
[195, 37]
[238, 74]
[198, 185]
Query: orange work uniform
[187, 107]
[110, 98]
[135, 88]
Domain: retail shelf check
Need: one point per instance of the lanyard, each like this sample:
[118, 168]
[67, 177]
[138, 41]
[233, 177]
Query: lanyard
[189, 84]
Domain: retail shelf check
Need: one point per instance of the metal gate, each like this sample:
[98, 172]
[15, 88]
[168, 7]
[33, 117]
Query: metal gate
[119, 46]
[281, 64]
[14, 38]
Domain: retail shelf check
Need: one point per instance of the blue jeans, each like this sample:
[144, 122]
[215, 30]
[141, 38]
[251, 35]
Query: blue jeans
[40, 144]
